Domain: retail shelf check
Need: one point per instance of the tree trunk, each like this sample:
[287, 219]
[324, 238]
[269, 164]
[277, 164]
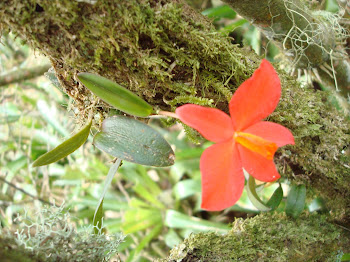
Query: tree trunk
[268, 237]
[311, 40]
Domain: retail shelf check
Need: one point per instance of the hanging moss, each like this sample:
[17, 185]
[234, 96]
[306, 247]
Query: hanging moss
[267, 237]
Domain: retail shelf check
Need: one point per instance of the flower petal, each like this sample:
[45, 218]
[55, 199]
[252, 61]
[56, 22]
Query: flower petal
[272, 132]
[256, 144]
[213, 124]
[258, 166]
[222, 176]
[256, 98]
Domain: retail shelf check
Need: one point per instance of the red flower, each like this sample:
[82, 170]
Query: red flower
[242, 140]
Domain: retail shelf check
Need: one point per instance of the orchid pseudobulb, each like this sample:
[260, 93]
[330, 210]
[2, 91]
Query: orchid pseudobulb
[241, 141]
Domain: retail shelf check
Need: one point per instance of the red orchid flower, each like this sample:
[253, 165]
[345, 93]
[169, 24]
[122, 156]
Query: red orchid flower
[242, 140]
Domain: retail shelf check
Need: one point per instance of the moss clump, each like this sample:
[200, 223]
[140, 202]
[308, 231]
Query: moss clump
[320, 157]
[161, 50]
[11, 251]
[267, 237]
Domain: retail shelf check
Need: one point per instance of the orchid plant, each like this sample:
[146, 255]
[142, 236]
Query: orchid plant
[242, 141]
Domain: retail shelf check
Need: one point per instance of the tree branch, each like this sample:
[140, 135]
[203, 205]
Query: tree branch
[308, 39]
[23, 74]
[169, 54]
[268, 237]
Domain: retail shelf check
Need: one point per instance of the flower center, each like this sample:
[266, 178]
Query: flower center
[256, 144]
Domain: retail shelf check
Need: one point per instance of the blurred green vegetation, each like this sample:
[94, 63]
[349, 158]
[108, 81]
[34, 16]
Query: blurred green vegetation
[156, 208]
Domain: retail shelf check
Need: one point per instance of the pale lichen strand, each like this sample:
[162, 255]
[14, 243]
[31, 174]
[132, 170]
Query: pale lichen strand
[267, 237]
[170, 55]
[320, 156]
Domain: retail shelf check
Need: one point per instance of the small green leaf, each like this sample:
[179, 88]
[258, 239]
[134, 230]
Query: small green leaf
[134, 141]
[137, 219]
[172, 238]
[115, 95]
[346, 257]
[144, 242]
[276, 198]
[253, 196]
[223, 11]
[296, 201]
[186, 188]
[175, 219]
[98, 218]
[64, 149]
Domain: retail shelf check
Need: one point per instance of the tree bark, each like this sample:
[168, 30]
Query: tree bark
[23, 74]
[309, 39]
[269, 237]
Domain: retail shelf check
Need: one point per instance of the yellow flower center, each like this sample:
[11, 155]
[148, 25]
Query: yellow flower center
[256, 144]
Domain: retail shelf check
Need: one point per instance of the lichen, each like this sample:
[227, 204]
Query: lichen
[267, 237]
[52, 237]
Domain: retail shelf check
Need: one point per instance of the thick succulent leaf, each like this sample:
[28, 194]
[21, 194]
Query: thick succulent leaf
[98, 218]
[134, 141]
[253, 196]
[115, 95]
[276, 198]
[64, 149]
[223, 11]
[296, 200]
[175, 219]
[99, 209]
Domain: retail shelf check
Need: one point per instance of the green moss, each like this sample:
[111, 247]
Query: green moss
[319, 157]
[267, 237]
[11, 251]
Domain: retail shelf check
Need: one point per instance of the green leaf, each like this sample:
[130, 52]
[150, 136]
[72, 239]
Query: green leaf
[141, 219]
[64, 149]
[49, 114]
[172, 238]
[144, 242]
[99, 209]
[115, 95]
[223, 11]
[276, 198]
[134, 141]
[148, 195]
[296, 200]
[98, 218]
[253, 196]
[186, 188]
[231, 27]
[174, 219]
[346, 257]
[9, 113]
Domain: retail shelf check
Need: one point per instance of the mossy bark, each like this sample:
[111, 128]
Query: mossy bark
[11, 251]
[269, 237]
[169, 54]
[307, 38]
